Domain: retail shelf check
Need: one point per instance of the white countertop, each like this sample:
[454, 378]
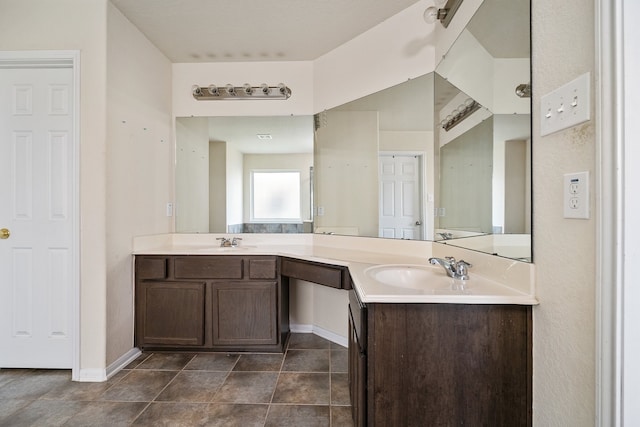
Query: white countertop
[340, 250]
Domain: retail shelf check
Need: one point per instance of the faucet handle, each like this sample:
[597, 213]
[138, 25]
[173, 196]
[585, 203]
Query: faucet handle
[234, 241]
[462, 269]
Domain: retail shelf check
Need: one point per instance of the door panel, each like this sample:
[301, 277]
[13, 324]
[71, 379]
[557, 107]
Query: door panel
[245, 313]
[400, 216]
[36, 187]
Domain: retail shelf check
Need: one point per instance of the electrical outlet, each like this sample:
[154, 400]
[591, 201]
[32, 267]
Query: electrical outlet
[320, 211]
[169, 209]
[576, 195]
[567, 106]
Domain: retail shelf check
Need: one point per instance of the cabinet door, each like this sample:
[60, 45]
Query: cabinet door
[170, 313]
[357, 377]
[245, 313]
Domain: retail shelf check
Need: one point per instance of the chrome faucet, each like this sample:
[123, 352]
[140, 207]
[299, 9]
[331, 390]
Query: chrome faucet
[455, 269]
[228, 243]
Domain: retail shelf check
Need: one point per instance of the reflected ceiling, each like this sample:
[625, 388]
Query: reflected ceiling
[504, 37]
[289, 134]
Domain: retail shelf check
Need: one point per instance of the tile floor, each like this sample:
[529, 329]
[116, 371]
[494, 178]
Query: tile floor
[305, 386]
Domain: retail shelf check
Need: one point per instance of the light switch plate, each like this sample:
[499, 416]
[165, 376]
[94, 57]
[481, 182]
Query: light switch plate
[567, 106]
[576, 195]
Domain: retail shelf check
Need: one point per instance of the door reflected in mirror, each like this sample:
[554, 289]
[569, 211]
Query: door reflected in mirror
[374, 163]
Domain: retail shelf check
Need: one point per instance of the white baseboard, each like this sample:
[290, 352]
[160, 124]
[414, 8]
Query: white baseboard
[101, 375]
[313, 329]
[92, 375]
[301, 329]
[123, 361]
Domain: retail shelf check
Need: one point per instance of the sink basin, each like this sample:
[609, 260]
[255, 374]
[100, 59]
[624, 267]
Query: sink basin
[233, 248]
[408, 276]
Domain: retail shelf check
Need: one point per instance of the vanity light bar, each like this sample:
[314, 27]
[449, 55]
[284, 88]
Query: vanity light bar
[246, 91]
[463, 111]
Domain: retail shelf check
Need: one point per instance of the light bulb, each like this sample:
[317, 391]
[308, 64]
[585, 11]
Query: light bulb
[231, 90]
[213, 90]
[196, 90]
[430, 15]
[248, 89]
[265, 89]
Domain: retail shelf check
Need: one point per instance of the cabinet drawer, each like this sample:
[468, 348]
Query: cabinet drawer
[333, 276]
[151, 268]
[208, 267]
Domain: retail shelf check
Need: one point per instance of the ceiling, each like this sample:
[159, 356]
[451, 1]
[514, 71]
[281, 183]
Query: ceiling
[254, 30]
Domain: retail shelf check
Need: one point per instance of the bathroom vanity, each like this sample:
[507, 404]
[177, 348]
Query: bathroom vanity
[210, 303]
[420, 353]
[439, 364]
[220, 302]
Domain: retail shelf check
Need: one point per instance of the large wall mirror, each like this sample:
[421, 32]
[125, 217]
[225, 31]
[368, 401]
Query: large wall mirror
[391, 164]
[220, 161]
[484, 190]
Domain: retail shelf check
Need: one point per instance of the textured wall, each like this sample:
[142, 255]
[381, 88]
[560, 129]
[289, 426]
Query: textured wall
[139, 164]
[564, 249]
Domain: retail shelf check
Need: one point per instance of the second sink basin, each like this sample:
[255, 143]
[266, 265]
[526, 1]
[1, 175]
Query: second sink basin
[409, 276]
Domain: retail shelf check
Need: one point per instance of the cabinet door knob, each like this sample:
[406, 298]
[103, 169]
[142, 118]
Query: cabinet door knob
[4, 233]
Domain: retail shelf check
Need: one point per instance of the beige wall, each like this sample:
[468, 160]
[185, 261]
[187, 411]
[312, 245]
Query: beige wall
[346, 171]
[319, 307]
[217, 187]
[139, 164]
[78, 25]
[235, 185]
[564, 249]
[466, 171]
[508, 127]
[192, 174]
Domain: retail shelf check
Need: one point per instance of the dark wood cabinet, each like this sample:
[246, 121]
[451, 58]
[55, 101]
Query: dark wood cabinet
[442, 364]
[162, 318]
[209, 302]
[357, 363]
[245, 313]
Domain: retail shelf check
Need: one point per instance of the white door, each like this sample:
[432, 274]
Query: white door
[36, 209]
[400, 197]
